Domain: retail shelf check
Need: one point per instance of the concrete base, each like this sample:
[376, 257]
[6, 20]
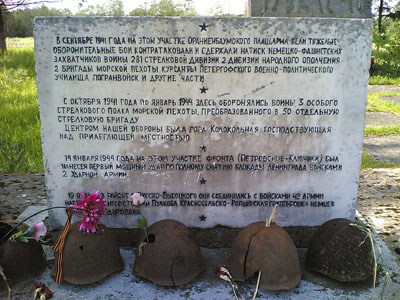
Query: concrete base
[125, 285]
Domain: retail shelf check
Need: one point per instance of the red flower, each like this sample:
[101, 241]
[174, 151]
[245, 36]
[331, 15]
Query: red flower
[93, 206]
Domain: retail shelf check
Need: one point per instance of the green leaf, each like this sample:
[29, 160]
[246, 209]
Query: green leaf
[23, 239]
[15, 236]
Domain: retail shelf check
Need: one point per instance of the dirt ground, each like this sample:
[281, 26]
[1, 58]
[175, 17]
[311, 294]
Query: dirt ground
[378, 201]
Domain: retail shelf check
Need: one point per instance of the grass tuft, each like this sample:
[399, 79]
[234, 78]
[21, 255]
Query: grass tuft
[382, 130]
[20, 146]
[377, 104]
[379, 79]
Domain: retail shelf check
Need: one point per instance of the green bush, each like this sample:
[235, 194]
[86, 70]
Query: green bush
[19, 23]
[386, 50]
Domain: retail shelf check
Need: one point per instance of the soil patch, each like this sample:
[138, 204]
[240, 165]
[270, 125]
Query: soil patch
[379, 203]
[18, 191]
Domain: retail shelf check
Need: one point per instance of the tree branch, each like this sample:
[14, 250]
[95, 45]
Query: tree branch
[10, 5]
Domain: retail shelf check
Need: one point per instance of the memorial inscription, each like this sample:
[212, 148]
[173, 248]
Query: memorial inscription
[213, 121]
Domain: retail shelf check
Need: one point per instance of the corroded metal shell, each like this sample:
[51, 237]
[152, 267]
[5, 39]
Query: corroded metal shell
[171, 257]
[341, 251]
[89, 257]
[267, 249]
[20, 260]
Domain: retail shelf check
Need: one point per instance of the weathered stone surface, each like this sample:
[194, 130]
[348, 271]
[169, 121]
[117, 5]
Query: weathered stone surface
[341, 251]
[269, 250]
[255, 112]
[89, 257]
[170, 257]
[310, 8]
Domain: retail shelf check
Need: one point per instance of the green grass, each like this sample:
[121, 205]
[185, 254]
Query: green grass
[20, 146]
[382, 130]
[376, 104]
[379, 79]
[20, 42]
[368, 163]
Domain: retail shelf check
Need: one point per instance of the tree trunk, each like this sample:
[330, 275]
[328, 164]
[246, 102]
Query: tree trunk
[380, 15]
[3, 45]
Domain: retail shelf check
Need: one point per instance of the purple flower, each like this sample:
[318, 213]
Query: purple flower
[93, 206]
[40, 230]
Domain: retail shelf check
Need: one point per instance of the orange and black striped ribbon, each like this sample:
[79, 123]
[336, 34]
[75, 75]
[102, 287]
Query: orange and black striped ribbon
[59, 246]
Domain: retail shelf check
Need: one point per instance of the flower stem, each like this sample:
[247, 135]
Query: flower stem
[147, 237]
[145, 222]
[4, 238]
[234, 291]
[258, 284]
[272, 217]
[32, 238]
[5, 280]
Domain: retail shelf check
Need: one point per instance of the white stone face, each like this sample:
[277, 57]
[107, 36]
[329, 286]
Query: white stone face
[213, 124]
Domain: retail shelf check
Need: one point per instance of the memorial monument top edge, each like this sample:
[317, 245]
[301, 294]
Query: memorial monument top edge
[38, 21]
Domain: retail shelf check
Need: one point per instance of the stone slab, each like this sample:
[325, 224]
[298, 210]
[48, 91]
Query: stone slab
[310, 8]
[384, 88]
[31, 210]
[383, 148]
[254, 112]
[382, 119]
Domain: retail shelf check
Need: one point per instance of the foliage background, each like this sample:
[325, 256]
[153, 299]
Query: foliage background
[386, 50]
